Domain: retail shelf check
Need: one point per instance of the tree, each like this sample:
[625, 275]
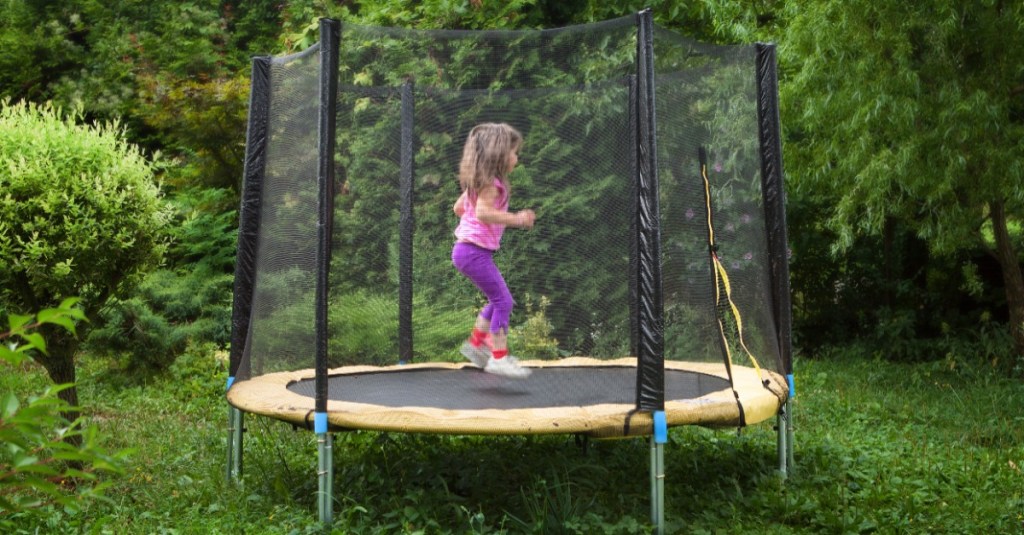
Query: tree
[173, 72]
[36, 50]
[82, 215]
[914, 113]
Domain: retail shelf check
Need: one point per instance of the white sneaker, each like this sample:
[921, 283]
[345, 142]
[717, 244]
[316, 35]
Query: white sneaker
[507, 366]
[477, 355]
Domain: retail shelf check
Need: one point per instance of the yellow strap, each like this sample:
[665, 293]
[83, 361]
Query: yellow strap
[707, 196]
[735, 312]
[720, 272]
[728, 352]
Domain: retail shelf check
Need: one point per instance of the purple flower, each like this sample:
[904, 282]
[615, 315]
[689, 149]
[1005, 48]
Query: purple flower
[735, 265]
[748, 256]
[745, 218]
[718, 167]
[730, 227]
[689, 213]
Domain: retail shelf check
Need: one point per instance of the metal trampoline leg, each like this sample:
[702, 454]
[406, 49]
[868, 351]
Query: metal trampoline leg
[780, 433]
[325, 474]
[235, 428]
[790, 443]
[658, 486]
[658, 440]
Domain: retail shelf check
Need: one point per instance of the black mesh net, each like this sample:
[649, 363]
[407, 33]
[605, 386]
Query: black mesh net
[279, 336]
[569, 92]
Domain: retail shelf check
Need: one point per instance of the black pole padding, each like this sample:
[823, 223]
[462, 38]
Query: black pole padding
[330, 32]
[773, 190]
[634, 265]
[256, 135]
[406, 224]
[650, 340]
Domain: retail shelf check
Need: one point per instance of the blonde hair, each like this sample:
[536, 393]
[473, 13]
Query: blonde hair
[486, 153]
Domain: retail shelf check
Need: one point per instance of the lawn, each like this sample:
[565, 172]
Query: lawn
[880, 448]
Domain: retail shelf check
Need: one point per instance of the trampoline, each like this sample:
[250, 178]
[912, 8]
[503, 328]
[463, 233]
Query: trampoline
[652, 292]
[462, 399]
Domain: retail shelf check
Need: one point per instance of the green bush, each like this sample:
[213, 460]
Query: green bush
[364, 327]
[169, 310]
[532, 339]
[190, 299]
[82, 216]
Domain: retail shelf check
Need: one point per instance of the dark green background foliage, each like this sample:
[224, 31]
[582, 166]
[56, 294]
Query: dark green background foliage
[176, 305]
[890, 208]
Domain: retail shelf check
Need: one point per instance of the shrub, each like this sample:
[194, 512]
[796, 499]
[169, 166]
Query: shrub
[169, 310]
[532, 339]
[190, 299]
[82, 216]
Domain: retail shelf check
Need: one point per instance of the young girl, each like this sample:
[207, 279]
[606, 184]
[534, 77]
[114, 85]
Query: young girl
[490, 154]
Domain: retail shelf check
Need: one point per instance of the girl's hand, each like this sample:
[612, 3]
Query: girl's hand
[525, 218]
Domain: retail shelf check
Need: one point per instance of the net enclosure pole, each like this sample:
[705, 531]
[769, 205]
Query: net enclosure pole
[650, 348]
[330, 31]
[650, 339]
[255, 166]
[631, 95]
[773, 190]
[406, 224]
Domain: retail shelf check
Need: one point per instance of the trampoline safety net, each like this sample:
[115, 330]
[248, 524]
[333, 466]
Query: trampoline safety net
[656, 270]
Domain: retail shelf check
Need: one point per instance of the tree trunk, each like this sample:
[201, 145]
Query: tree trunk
[60, 365]
[1012, 278]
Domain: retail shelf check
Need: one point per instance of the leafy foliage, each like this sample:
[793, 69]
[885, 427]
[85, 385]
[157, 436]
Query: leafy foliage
[39, 466]
[82, 213]
[920, 129]
[202, 124]
[35, 50]
[533, 337]
[899, 131]
[172, 308]
[183, 95]
[21, 327]
[169, 311]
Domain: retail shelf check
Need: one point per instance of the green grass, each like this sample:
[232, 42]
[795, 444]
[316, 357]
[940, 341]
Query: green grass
[881, 448]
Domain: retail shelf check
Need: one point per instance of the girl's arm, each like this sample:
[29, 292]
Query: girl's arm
[487, 213]
[460, 205]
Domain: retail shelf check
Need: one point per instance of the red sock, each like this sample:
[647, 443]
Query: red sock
[477, 337]
[499, 353]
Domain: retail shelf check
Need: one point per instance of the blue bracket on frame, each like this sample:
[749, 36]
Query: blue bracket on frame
[231, 381]
[320, 422]
[792, 386]
[660, 427]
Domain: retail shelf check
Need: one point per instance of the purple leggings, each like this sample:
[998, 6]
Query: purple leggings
[477, 264]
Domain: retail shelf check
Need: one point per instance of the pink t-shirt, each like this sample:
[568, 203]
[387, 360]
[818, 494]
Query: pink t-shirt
[473, 230]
